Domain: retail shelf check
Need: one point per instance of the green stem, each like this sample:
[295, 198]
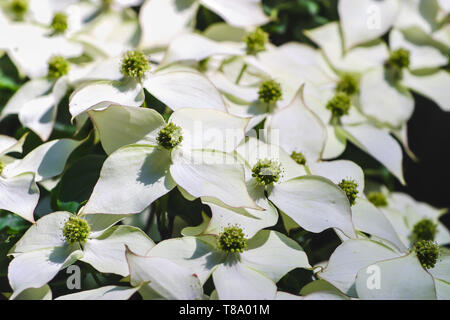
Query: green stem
[241, 73]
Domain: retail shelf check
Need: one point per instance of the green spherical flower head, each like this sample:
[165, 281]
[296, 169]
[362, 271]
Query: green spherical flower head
[256, 41]
[348, 84]
[425, 229]
[232, 240]
[266, 172]
[170, 136]
[57, 67]
[135, 65]
[19, 7]
[298, 157]
[378, 199]
[428, 253]
[350, 188]
[270, 92]
[59, 22]
[399, 58]
[340, 104]
[76, 229]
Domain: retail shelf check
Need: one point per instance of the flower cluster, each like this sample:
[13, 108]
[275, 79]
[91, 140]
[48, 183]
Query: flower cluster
[139, 145]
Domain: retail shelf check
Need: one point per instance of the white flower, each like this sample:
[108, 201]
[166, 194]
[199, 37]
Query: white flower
[18, 177]
[355, 264]
[251, 274]
[169, 18]
[313, 202]
[192, 150]
[406, 214]
[176, 88]
[49, 246]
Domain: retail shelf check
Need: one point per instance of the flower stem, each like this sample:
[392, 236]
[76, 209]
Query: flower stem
[241, 73]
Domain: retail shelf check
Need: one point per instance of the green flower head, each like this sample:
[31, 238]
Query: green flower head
[378, 199]
[266, 172]
[2, 166]
[270, 92]
[135, 65]
[57, 67]
[340, 104]
[399, 58]
[425, 229]
[350, 188]
[232, 240]
[19, 7]
[76, 230]
[427, 252]
[256, 41]
[347, 84]
[170, 136]
[298, 157]
[59, 22]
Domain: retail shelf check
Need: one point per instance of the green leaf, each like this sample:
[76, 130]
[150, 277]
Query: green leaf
[77, 183]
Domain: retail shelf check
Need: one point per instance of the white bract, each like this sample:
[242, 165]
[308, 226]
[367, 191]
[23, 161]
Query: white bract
[18, 177]
[163, 20]
[44, 250]
[313, 202]
[174, 87]
[195, 154]
[251, 274]
[372, 270]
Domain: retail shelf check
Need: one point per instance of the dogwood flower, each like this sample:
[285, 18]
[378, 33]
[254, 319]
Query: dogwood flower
[313, 202]
[192, 150]
[176, 88]
[420, 273]
[241, 267]
[20, 41]
[18, 177]
[169, 18]
[59, 239]
[412, 220]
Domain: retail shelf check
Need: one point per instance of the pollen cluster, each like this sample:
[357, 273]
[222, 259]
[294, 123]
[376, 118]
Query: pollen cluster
[170, 136]
[59, 22]
[378, 199]
[19, 7]
[340, 104]
[298, 157]
[256, 41]
[57, 67]
[427, 252]
[350, 188]
[76, 229]
[347, 84]
[425, 229]
[269, 92]
[399, 58]
[232, 240]
[135, 65]
[266, 172]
